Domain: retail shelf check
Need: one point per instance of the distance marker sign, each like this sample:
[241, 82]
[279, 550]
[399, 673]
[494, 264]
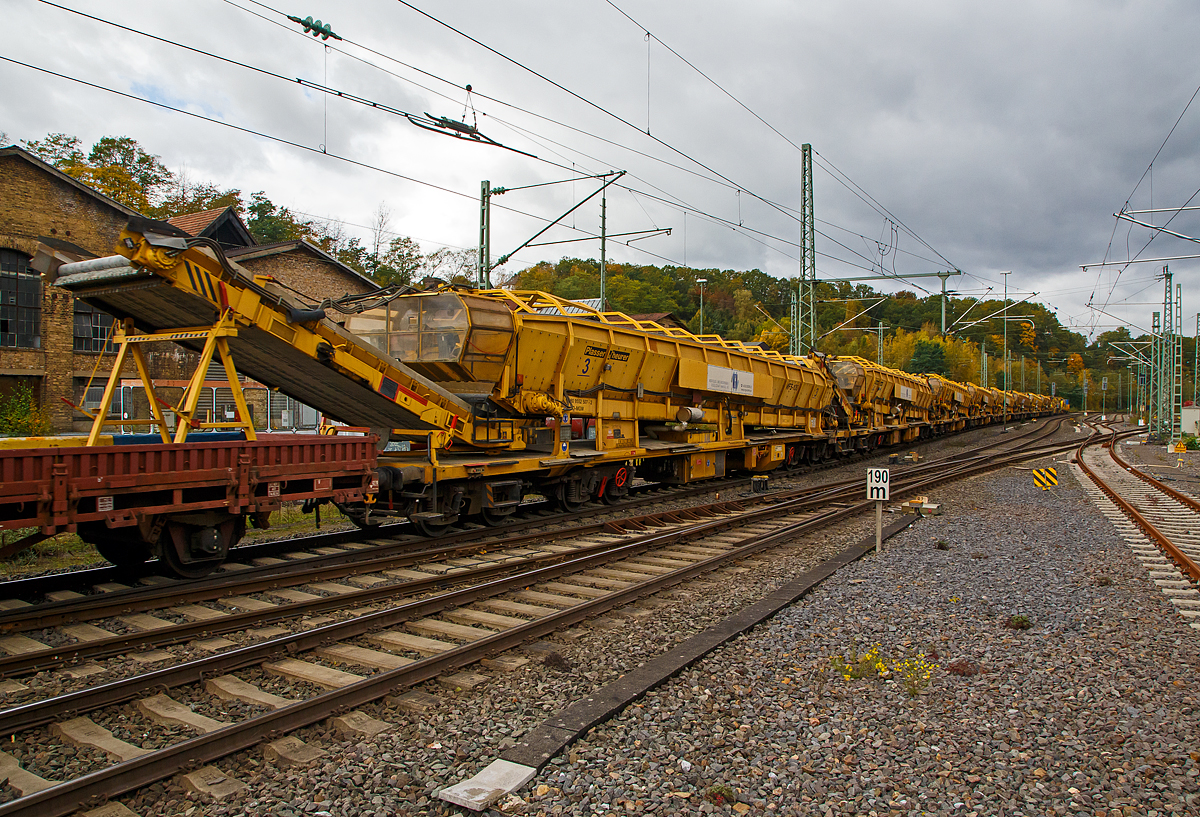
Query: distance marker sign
[878, 484]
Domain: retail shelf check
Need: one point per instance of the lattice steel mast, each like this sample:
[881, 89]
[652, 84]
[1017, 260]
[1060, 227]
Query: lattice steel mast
[805, 332]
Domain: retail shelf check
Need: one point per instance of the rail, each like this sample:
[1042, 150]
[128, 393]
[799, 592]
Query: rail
[1181, 559]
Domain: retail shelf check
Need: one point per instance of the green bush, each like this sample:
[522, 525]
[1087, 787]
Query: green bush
[22, 416]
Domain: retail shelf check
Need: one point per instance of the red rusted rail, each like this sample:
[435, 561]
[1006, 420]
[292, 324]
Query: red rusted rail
[1181, 559]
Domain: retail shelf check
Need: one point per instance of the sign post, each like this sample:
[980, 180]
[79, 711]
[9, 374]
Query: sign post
[878, 489]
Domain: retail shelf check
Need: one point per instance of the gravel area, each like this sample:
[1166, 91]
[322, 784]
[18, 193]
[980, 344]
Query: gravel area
[1092, 710]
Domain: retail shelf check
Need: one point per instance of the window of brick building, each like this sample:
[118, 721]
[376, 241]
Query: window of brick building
[90, 397]
[93, 329]
[20, 302]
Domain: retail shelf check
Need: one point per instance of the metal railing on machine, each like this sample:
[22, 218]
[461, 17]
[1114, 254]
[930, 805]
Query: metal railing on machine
[269, 410]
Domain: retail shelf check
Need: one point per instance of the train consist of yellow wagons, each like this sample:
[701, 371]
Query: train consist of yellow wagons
[484, 397]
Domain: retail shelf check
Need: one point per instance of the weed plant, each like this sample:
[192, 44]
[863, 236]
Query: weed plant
[914, 674]
[852, 665]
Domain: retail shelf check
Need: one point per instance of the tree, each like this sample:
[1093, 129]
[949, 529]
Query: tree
[1028, 335]
[270, 224]
[453, 266]
[58, 149]
[929, 357]
[399, 264]
[184, 196]
[381, 221]
[117, 166]
[123, 161]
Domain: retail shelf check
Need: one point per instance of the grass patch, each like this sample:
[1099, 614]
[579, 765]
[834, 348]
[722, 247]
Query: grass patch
[64, 551]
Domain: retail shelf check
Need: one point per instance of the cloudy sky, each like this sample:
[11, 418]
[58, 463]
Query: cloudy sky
[986, 137]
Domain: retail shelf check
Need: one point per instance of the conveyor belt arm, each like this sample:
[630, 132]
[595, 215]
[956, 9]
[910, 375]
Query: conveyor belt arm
[249, 303]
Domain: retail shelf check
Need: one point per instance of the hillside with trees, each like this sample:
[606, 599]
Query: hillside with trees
[900, 330]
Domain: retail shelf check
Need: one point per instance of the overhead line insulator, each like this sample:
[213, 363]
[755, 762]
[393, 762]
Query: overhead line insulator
[315, 27]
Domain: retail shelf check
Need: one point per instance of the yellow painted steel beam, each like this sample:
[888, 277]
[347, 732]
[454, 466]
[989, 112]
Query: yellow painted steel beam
[198, 271]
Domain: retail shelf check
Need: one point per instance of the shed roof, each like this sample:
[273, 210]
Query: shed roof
[281, 247]
[222, 225]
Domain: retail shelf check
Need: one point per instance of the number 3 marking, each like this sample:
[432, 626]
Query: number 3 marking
[587, 363]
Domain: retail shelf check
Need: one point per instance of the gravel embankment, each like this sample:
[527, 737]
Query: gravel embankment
[1092, 710]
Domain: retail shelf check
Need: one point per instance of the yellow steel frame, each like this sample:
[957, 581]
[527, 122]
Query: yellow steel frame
[197, 271]
[532, 301]
[216, 342]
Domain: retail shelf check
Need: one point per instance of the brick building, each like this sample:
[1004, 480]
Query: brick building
[57, 346]
[47, 341]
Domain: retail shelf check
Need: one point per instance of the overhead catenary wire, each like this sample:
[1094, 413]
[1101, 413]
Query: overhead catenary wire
[604, 110]
[278, 139]
[352, 97]
[1147, 172]
[376, 105]
[835, 172]
[326, 90]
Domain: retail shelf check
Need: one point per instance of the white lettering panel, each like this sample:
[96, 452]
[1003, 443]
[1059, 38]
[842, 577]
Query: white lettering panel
[730, 381]
[879, 484]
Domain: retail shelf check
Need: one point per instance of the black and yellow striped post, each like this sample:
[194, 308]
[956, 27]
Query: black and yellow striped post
[1045, 478]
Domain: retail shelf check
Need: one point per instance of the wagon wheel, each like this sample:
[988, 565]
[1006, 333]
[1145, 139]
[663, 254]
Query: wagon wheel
[174, 545]
[123, 547]
[431, 529]
[187, 570]
[494, 517]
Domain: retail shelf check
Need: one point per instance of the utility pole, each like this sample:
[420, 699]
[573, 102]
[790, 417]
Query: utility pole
[701, 282]
[944, 276]
[483, 256]
[879, 357]
[1177, 367]
[603, 220]
[1004, 411]
[1154, 401]
[808, 253]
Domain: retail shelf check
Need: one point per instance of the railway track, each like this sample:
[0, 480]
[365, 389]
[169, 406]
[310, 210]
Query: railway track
[371, 636]
[1161, 525]
[20, 591]
[306, 583]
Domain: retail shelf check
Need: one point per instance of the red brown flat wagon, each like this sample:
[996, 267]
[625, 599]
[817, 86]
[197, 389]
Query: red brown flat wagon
[186, 504]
